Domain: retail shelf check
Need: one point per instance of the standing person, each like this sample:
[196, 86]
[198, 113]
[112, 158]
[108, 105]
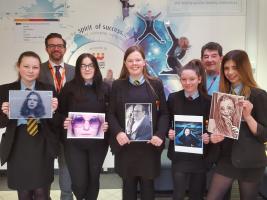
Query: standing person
[57, 73]
[109, 77]
[192, 100]
[243, 159]
[137, 162]
[85, 93]
[211, 57]
[29, 147]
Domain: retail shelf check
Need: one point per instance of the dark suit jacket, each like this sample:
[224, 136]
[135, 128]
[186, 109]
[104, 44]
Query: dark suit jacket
[46, 126]
[144, 130]
[249, 150]
[46, 77]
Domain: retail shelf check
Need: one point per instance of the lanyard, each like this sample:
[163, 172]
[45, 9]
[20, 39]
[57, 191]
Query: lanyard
[212, 82]
[58, 86]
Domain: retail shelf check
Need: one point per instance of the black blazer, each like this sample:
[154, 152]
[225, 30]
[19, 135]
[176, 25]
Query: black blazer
[46, 127]
[249, 150]
[116, 117]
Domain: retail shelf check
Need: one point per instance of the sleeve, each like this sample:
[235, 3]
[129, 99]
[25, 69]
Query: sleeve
[163, 115]
[260, 110]
[171, 34]
[3, 98]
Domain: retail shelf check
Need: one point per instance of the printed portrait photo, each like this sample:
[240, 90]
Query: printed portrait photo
[188, 134]
[86, 125]
[138, 121]
[24, 104]
[225, 114]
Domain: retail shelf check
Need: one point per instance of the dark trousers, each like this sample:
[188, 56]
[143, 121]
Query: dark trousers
[130, 188]
[85, 164]
[195, 186]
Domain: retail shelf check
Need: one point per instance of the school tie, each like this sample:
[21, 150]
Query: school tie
[136, 82]
[32, 126]
[190, 98]
[58, 75]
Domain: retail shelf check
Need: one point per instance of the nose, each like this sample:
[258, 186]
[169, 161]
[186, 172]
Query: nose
[86, 125]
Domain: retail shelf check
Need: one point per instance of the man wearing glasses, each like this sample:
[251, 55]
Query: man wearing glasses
[57, 73]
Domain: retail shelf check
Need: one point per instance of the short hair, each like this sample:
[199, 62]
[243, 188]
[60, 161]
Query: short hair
[212, 46]
[54, 35]
[39, 111]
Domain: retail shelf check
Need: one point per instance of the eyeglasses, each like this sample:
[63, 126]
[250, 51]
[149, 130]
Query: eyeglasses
[89, 66]
[53, 46]
[79, 121]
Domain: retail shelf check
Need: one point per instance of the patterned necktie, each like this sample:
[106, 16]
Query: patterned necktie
[32, 126]
[136, 82]
[58, 75]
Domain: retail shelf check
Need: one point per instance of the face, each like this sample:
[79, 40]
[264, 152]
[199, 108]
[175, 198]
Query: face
[227, 108]
[87, 69]
[187, 131]
[85, 125]
[29, 69]
[138, 112]
[231, 73]
[55, 49]
[135, 64]
[190, 80]
[211, 61]
[32, 101]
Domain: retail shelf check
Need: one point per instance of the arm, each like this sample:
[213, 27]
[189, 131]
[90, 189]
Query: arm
[141, 16]
[156, 16]
[4, 107]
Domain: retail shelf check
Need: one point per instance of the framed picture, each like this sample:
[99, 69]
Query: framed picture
[188, 134]
[24, 104]
[86, 125]
[225, 114]
[138, 121]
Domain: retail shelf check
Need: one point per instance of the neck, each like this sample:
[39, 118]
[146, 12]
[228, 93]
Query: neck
[28, 84]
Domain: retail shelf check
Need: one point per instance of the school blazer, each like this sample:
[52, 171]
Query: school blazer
[47, 127]
[249, 150]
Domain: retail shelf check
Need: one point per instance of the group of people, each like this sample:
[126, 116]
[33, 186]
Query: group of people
[30, 158]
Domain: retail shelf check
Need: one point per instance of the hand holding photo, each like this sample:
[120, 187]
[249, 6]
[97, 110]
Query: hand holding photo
[225, 114]
[86, 125]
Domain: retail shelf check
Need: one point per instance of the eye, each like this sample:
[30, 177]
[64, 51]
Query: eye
[94, 120]
[78, 120]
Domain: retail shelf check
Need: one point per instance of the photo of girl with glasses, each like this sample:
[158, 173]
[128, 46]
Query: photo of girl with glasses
[86, 93]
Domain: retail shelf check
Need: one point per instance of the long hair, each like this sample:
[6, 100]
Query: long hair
[97, 78]
[196, 66]
[220, 123]
[124, 72]
[37, 112]
[27, 54]
[243, 66]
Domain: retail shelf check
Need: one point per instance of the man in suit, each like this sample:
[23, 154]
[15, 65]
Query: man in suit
[142, 126]
[57, 73]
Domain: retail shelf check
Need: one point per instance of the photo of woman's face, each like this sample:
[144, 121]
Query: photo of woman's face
[227, 108]
[187, 131]
[85, 125]
[32, 101]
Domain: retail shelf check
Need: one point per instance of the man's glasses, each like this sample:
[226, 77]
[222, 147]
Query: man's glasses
[79, 121]
[53, 46]
[89, 66]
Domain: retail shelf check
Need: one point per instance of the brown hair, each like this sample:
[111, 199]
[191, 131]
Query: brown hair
[243, 66]
[124, 72]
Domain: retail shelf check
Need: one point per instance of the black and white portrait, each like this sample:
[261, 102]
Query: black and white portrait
[30, 104]
[225, 114]
[138, 121]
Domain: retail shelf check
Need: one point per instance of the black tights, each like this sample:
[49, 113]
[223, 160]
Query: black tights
[220, 185]
[36, 194]
[130, 188]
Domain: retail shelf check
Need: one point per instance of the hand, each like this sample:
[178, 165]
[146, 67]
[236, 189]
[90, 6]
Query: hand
[216, 137]
[54, 104]
[5, 108]
[122, 138]
[167, 23]
[105, 126]
[206, 138]
[247, 108]
[67, 123]
[171, 134]
[156, 141]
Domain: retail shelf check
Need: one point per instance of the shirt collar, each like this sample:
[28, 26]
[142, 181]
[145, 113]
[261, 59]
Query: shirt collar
[237, 89]
[54, 64]
[24, 87]
[141, 80]
[194, 96]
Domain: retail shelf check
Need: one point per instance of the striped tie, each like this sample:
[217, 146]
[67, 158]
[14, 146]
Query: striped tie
[136, 82]
[32, 126]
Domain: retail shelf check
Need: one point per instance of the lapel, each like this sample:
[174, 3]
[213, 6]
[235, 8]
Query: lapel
[48, 74]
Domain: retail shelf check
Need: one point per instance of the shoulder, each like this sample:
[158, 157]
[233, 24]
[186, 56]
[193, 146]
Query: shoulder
[176, 95]
[69, 67]
[156, 82]
[43, 86]
[258, 92]
[119, 83]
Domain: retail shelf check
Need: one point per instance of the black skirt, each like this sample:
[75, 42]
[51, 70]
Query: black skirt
[29, 167]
